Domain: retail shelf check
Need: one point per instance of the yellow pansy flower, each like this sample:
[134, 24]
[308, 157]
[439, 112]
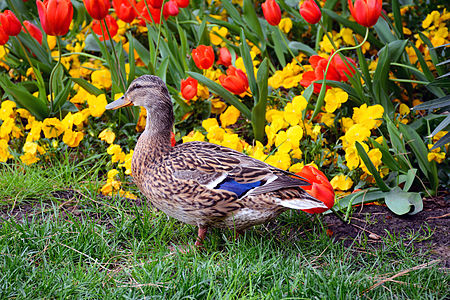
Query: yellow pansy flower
[404, 109]
[231, 140]
[4, 151]
[328, 119]
[216, 34]
[72, 138]
[127, 163]
[368, 116]
[210, 123]
[285, 25]
[97, 104]
[52, 127]
[293, 110]
[7, 110]
[28, 158]
[193, 136]
[116, 152]
[296, 167]
[101, 79]
[341, 182]
[347, 36]
[435, 154]
[334, 97]
[357, 133]
[229, 116]
[215, 134]
[279, 160]
[107, 135]
[35, 132]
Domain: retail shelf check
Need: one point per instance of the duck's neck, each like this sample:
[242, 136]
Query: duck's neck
[154, 142]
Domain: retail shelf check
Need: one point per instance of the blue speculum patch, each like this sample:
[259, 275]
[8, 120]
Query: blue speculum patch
[239, 189]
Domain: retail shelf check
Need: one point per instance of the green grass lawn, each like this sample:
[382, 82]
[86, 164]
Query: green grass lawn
[60, 239]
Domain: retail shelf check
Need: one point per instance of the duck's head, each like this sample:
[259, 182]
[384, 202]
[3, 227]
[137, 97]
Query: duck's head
[148, 91]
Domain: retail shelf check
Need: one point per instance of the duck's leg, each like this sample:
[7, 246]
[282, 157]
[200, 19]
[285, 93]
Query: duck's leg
[201, 235]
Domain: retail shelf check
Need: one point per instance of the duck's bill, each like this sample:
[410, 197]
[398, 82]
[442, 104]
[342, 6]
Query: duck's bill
[121, 102]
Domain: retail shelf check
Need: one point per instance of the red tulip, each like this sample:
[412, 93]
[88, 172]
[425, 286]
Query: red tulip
[203, 57]
[97, 9]
[343, 67]
[125, 10]
[224, 57]
[365, 12]
[189, 88]
[320, 188]
[182, 3]
[11, 25]
[99, 27]
[155, 3]
[55, 16]
[3, 36]
[144, 16]
[319, 65]
[170, 9]
[173, 141]
[236, 81]
[33, 30]
[272, 12]
[310, 11]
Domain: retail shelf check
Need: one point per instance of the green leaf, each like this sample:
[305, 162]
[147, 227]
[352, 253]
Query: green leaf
[419, 149]
[279, 47]
[383, 31]
[162, 69]
[143, 53]
[401, 203]
[371, 168]
[253, 22]
[62, 97]
[364, 68]
[397, 201]
[89, 87]
[441, 125]
[298, 46]
[410, 176]
[23, 98]
[397, 17]
[387, 157]
[259, 110]
[248, 63]
[222, 92]
[364, 196]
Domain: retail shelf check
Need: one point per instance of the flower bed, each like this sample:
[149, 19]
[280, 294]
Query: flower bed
[242, 74]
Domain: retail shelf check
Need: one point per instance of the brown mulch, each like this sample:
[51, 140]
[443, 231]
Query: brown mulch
[426, 231]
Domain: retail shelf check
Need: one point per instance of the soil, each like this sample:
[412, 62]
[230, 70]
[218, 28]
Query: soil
[427, 231]
[370, 225]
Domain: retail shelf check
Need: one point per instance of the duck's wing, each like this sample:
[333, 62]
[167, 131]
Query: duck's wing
[220, 168]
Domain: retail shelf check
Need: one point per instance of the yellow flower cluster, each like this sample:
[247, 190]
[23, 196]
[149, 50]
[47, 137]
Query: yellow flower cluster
[358, 129]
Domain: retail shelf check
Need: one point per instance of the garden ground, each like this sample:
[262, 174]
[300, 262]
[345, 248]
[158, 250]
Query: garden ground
[60, 238]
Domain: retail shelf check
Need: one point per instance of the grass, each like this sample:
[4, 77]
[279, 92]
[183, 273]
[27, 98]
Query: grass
[60, 239]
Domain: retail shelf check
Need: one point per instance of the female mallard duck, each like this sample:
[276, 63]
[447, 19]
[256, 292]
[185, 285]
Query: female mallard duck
[200, 183]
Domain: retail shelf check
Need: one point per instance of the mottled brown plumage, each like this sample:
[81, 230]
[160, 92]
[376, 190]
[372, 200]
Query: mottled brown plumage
[204, 184]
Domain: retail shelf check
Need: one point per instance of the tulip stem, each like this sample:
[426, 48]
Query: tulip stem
[119, 73]
[289, 49]
[321, 97]
[52, 74]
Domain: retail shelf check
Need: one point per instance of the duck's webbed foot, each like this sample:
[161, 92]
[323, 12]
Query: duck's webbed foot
[201, 235]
